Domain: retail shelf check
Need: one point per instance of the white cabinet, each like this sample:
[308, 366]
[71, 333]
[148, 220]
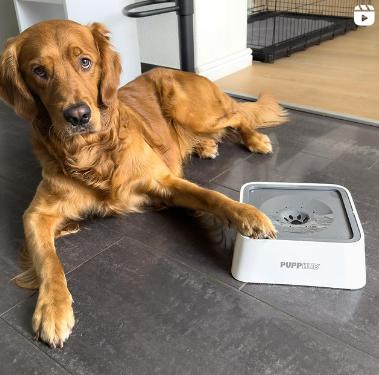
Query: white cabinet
[123, 29]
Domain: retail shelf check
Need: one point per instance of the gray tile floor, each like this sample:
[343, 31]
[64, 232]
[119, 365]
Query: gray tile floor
[153, 292]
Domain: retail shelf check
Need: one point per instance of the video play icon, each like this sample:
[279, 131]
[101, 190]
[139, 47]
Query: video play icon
[364, 15]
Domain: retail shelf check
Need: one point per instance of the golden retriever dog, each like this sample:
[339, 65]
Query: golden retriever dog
[105, 150]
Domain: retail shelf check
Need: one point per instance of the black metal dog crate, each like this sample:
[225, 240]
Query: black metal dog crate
[278, 28]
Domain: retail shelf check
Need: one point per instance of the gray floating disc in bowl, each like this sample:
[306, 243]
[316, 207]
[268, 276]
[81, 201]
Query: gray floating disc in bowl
[310, 214]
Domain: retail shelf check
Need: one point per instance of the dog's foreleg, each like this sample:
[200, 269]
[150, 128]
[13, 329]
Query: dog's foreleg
[247, 219]
[53, 318]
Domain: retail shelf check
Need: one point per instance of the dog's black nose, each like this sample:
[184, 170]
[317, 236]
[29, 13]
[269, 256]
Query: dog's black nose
[77, 114]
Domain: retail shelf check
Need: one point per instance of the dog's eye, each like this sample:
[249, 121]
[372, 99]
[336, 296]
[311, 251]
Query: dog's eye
[40, 71]
[85, 63]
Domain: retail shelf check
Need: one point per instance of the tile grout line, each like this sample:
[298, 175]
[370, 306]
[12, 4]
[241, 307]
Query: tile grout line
[172, 258]
[100, 252]
[17, 304]
[228, 169]
[373, 165]
[22, 301]
[212, 180]
[66, 274]
[241, 287]
[252, 154]
[156, 254]
[312, 326]
[36, 347]
[177, 260]
[187, 266]
[151, 250]
[227, 187]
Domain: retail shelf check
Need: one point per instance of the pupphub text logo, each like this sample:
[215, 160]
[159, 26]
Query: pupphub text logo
[299, 265]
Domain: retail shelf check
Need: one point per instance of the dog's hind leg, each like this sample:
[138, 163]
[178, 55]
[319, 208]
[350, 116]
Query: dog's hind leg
[256, 141]
[206, 148]
[199, 107]
[246, 118]
[266, 112]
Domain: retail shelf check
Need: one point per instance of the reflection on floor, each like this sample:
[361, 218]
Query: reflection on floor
[153, 292]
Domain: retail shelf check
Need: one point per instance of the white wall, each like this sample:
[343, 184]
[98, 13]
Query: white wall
[8, 21]
[220, 28]
[158, 39]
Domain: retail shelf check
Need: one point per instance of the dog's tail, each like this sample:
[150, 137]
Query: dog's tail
[265, 112]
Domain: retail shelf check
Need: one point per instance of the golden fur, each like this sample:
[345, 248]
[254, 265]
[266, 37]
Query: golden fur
[131, 156]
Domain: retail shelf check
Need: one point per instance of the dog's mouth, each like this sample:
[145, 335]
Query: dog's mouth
[71, 131]
[82, 129]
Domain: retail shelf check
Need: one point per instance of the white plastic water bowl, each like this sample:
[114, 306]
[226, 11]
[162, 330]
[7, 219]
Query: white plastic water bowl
[320, 241]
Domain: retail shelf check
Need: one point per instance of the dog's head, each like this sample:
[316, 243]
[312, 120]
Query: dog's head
[61, 70]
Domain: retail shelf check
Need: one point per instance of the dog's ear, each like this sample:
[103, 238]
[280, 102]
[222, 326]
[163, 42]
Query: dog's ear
[110, 65]
[13, 89]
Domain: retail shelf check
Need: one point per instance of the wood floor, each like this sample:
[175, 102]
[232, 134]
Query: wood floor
[340, 76]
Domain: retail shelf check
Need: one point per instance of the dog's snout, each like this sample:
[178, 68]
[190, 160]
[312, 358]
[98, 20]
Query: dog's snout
[77, 114]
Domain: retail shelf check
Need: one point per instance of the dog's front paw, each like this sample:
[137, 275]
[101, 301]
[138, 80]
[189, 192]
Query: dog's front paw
[251, 222]
[53, 318]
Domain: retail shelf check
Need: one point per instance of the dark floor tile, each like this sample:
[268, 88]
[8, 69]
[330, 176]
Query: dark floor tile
[372, 251]
[201, 242]
[203, 170]
[17, 162]
[9, 292]
[286, 165]
[375, 167]
[362, 183]
[372, 276]
[368, 215]
[138, 313]
[20, 357]
[13, 202]
[354, 144]
[350, 316]
[283, 165]
[92, 238]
